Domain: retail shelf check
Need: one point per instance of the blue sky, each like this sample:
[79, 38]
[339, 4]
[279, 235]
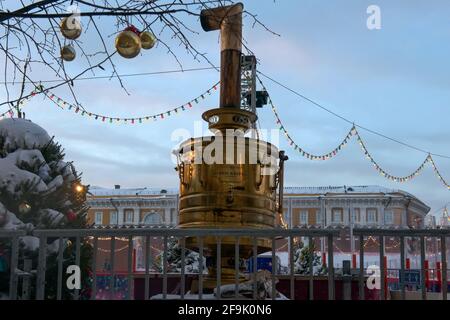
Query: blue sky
[394, 80]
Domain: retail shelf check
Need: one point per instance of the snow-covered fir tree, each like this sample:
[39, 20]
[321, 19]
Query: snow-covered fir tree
[303, 255]
[191, 261]
[39, 190]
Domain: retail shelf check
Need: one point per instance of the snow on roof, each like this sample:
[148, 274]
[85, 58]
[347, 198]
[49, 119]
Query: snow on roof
[98, 191]
[341, 189]
[22, 134]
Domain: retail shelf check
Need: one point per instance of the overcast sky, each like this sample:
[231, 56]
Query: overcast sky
[394, 80]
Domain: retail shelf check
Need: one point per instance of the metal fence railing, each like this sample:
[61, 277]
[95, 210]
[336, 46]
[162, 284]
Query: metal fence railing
[12, 238]
[323, 286]
[164, 234]
[440, 234]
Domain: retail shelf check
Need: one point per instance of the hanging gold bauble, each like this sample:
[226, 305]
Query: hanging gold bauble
[68, 53]
[128, 44]
[70, 28]
[24, 208]
[148, 40]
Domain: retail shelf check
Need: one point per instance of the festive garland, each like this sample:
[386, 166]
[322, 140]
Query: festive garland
[354, 133]
[21, 104]
[105, 118]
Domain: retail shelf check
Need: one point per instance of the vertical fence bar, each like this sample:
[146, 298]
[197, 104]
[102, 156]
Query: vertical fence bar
[165, 268]
[112, 282]
[219, 267]
[183, 257]
[331, 295]
[77, 262]
[147, 267]
[27, 266]
[361, 268]
[422, 267]
[274, 269]
[311, 269]
[60, 267]
[42, 259]
[236, 267]
[255, 267]
[94, 269]
[402, 267]
[382, 270]
[13, 265]
[291, 266]
[200, 275]
[130, 267]
[444, 267]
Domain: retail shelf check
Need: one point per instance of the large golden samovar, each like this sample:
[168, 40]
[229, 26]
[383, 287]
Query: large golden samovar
[228, 180]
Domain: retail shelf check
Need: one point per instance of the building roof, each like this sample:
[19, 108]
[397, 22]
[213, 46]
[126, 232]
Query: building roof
[337, 191]
[99, 191]
[343, 189]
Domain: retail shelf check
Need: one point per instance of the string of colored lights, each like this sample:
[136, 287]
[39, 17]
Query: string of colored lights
[105, 118]
[353, 133]
[22, 102]
[125, 120]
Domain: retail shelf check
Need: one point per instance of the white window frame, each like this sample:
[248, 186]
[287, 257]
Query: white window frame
[153, 213]
[335, 211]
[319, 217]
[355, 215]
[129, 212]
[173, 215]
[390, 214]
[369, 211]
[97, 220]
[113, 220]
[303, 217]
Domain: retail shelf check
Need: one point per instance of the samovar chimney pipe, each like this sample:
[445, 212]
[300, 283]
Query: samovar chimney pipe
[229, 20]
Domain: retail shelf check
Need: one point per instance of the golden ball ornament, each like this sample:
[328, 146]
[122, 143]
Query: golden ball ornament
[70, 28]
[128, 44]
[24, 208]
[68, 53]
[148, 40]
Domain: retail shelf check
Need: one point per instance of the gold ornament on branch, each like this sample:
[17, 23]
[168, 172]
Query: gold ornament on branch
[148, 40]
[68, 53]
[70, 28]
[128, 43]
[24, 208]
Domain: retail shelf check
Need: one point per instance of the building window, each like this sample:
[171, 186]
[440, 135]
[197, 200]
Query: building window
[337, 215]
[388, 217]
[318, 217]
[113, 218]
[356, 215]
[129, 215]
[172, 216]
[303, 217]
[99, 218]
[372, 215]
[152, 218]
